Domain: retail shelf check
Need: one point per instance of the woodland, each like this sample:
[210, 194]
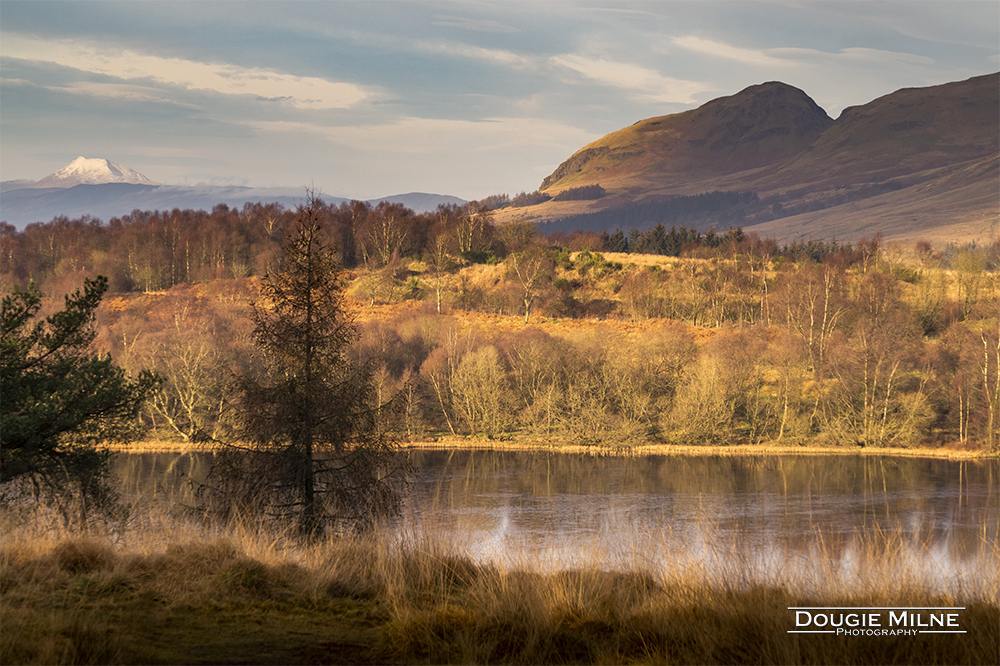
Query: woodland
[653, 335]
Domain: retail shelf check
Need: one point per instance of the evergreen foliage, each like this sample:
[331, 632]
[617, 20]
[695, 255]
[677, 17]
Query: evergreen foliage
[583, 193]
[60, 402]
[313, 445]
[529, 199]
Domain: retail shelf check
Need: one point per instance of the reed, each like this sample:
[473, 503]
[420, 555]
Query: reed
[168, 590]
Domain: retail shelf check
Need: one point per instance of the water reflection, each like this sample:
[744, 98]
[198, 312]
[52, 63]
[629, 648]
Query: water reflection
[766, 499]
[758, 512]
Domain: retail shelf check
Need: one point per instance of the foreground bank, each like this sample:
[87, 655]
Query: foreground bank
[189, 595]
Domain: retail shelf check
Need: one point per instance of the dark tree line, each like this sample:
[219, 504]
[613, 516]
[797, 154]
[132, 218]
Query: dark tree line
[529, 199]
[582, 193]
[668, 243]
[700, 211]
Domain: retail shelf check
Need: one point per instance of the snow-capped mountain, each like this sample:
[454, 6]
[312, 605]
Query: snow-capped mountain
[103, 189]
[93, 171]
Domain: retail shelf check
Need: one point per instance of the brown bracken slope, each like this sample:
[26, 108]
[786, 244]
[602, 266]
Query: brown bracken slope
[919, 163]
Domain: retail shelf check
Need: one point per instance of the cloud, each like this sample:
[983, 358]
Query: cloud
[729, 52]
[425, 136]
[646, 84]
[125, 92]
[793, 56]
[858, 53]
[475, 25]
[851, 57]
[972, 24]
[497, 56]
[225, 78]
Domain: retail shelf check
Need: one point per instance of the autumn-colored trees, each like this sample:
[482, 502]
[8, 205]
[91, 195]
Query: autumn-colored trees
[844, 361]
[852, 343]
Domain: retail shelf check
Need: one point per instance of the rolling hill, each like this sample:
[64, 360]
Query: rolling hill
[919, 163]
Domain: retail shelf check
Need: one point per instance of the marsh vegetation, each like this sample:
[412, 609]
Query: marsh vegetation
[459, 580]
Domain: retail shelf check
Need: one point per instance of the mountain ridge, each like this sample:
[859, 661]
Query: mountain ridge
[811, 170]
[21, 206]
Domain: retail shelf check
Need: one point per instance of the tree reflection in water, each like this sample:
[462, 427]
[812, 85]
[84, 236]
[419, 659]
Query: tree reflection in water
[796, 519]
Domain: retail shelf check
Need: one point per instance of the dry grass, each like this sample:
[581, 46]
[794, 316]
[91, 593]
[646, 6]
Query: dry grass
[174, 592]
[160, 446]
[767, 449]
[529, 443]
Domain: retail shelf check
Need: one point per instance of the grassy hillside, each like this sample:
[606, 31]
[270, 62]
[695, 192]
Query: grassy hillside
[762, 125]
[948, 204]
[931, 151]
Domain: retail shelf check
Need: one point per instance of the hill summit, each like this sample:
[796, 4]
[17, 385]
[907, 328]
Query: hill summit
[762, 125]
[92, 171]
[916, 163]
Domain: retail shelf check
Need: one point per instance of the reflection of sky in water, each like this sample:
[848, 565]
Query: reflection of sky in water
[791, 518]
[812, 524]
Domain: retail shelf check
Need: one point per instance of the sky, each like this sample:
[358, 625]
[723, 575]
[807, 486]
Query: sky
[365, 99]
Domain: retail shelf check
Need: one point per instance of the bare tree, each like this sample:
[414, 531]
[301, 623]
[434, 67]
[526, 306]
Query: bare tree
[481, 393]
[531, 270]
[812, 308]
[387, 233]
[969, 266]
[188, 399]
[974, 384]
[879, 397]
[441, 264]
[474, 231]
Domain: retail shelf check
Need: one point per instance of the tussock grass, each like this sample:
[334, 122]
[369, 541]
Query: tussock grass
[170, 591]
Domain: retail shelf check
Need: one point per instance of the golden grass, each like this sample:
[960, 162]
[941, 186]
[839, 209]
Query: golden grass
[159, 446]
[174, 592]
[638, 450]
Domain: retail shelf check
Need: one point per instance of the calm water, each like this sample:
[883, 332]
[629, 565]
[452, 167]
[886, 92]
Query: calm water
[762, 511]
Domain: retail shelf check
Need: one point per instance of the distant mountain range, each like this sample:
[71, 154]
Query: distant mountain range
[919, 163]
[102, 189]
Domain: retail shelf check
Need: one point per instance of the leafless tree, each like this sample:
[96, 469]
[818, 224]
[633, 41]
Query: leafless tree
[532, 271]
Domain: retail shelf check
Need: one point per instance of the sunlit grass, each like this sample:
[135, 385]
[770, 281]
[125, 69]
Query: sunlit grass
[165, 589]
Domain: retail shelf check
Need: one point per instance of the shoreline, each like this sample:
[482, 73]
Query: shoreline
[623, 450]
[237, 597]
